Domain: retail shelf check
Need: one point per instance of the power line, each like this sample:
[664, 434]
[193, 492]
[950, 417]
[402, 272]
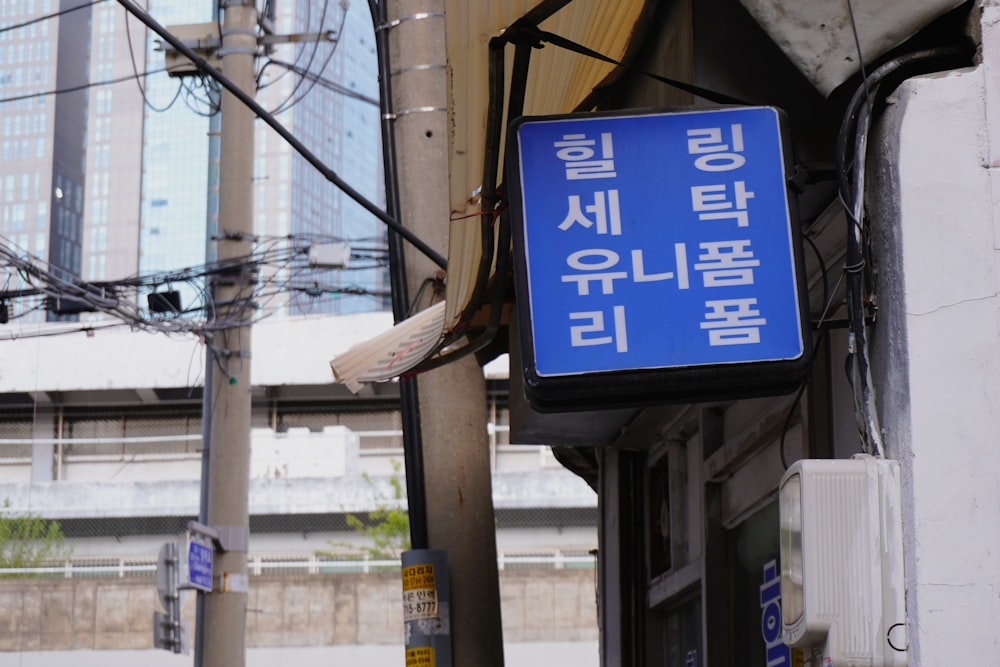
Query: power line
[138, 80]
[25, 24]
[285, 134]
[285, 259]
[291, 100]
[74, 89]
[325, 83]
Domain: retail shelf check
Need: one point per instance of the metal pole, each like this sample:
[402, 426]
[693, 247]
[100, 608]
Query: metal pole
[409, 403]
[224, 643]
[460, 517]
[206, 446]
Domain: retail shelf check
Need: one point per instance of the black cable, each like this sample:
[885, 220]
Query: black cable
[25, 24]
[823, 273]
[312, 55]
[798, 397]
[525, 32]
[325, 83]
[299, 147]
[922, 57]
[850, 166]
[816, 346]
[138, 82]
[108, 297]
[74, 89]
[298, 55]
[861, 55]
[409, 401]
[291, 101]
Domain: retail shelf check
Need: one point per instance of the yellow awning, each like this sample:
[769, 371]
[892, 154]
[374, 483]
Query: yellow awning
[558, 80]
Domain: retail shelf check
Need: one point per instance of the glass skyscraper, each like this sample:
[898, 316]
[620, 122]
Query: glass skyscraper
[115, 179]
[335, 113]
[44, 137]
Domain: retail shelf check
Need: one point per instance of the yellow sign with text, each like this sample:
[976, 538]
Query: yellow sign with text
[422, 656]
[418, 576]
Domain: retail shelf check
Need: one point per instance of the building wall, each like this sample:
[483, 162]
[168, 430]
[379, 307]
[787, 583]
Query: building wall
[344, 610]
[939, 253]
[175, 155]
[114, 159]
[549, 654]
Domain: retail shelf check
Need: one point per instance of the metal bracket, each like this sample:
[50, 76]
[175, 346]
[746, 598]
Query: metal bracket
[226, 538]
[415, 17]
[406, 112]
[245, 50]
[417, 68]
[296, 37]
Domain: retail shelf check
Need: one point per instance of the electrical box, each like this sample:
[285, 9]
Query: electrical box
[330, 256]
[842, 587]
[203, 38]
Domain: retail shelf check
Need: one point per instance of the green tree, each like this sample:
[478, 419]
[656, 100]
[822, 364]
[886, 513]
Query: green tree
[27, 540]
[387, 526]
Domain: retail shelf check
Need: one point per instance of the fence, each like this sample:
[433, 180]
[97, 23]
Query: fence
[277, 564]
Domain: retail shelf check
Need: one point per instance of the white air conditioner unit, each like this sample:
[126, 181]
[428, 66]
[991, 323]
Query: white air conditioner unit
[842, 588]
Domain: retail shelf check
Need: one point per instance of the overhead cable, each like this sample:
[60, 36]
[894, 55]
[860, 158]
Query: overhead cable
[851, 148]
[299, 147]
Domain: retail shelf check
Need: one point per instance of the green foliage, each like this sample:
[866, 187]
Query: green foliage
[388, 526]
[27, 540]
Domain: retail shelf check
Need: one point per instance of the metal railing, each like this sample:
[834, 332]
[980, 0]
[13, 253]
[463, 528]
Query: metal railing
[136, 567]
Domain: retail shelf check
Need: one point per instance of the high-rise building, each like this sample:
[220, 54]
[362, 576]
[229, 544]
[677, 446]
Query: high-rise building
[176, 179]
[44, 137]
[126, 181]
[333, 110]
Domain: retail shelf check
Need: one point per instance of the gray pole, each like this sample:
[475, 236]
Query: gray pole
[229, 455]
[452, 398]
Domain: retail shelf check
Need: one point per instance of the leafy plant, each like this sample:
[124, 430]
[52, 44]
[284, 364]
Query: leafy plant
[27, 540]
[387, 526]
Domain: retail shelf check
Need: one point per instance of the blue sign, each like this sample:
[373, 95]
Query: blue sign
[777, 653]
[657, 241]
[198, 560]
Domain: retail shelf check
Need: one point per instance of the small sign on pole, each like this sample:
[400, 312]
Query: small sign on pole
[196, 562]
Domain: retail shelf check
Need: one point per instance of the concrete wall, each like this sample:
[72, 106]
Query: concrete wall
[938, 256]
[533, 654]
[349, 611]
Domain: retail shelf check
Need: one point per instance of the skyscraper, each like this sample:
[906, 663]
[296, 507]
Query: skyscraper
[126, 181]
[326, 92]
[44, 137]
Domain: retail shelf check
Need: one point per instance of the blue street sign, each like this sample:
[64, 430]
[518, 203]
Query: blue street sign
[656, 241]
[198, 559]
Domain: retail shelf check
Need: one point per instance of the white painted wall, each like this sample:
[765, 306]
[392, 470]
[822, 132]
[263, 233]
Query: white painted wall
[937, 352]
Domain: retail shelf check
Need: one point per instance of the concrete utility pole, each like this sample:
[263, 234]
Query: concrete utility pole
[229, 455]
[452, 398]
